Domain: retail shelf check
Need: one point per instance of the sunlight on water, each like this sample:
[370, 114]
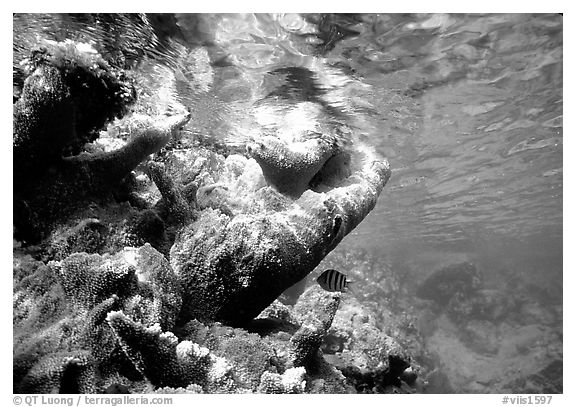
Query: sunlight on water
[474, 144]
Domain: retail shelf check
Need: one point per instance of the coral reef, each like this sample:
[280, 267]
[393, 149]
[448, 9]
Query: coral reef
[69, 95]
[61, 309]
[161, 276]
[128, 342]
[252, 242]
[285, 359]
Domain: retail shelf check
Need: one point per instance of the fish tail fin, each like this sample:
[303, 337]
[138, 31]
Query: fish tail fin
[349, 287]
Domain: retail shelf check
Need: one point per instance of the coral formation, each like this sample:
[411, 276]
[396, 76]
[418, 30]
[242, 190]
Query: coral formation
[371, 359]
[125, 343]
[165, 282]
[291, 381]
[60, 373]
[70, 92]
[89, 279]
[315, 312]
[161, 358]
[88, 236]
[61, 310]
[69, 95]
[291, 166]
[233, 262]
[80, 179]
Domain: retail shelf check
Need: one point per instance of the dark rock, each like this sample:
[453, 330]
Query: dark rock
[487, 305]
[443, 284]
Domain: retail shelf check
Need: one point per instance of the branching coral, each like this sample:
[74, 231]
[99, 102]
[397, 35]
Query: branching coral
[89, 236]
[69, 314]
[156, 354]
[162, 359]
[88, 279]
[141, 278]
[291, 381]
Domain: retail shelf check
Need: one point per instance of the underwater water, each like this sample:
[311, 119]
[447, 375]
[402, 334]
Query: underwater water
[468, 109]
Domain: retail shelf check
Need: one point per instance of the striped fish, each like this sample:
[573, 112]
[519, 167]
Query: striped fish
[333, 280]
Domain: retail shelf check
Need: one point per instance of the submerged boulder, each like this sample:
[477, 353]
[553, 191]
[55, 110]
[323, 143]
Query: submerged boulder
[443, 284]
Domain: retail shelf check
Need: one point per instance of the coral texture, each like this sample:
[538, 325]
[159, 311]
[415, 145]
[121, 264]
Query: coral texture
[291, 381]
[69, 95]
[291, 166]
[315, 312]
[128, 342]
[160, 277]
[252, 242]
[372, 360]
[61, 310]
[159, 356]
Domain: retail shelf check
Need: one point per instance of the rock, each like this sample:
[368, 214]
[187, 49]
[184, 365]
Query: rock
[481, 336]
[441, 285]
[487, 305]
[369, 358]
